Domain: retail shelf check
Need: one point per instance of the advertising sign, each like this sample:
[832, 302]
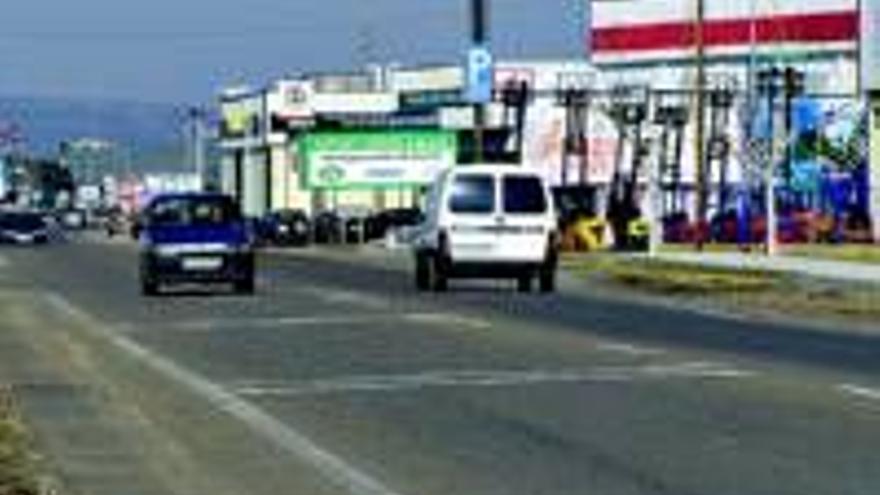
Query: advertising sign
[375, 160]
[660, 30]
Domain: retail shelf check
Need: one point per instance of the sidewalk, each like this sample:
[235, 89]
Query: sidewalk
[842, 271]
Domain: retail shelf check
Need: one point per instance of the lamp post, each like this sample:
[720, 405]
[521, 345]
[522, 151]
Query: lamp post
[700, 113]
[479, 35]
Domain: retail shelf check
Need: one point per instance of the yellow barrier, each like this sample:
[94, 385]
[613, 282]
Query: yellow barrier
[586, 234]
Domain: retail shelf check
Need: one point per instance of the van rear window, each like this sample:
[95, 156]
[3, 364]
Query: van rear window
[524, 195]
[473, 194]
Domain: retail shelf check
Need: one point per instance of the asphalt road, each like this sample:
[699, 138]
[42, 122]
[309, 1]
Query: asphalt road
[338, 378]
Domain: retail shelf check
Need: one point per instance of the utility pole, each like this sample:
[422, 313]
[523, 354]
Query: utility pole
[197, 147]
[479, 35]
[700, 135]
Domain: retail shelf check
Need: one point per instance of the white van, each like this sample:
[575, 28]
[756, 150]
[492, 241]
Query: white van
[487, 221]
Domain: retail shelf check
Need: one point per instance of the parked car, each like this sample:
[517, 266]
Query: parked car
[327, 227]
[195, 237]
[285, 228]
[117, 222]
[23, 228]
[74, 219]
[385, 222]
[354, 223]
[487, 221]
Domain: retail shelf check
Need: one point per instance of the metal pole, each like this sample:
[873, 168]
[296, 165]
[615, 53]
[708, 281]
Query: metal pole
[199, 147]
[700, 135]
[769, 180]
[479, 25]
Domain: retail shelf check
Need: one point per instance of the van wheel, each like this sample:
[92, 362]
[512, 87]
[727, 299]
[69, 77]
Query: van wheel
[548, 279]
[440, 277]
[245, 285]
[524, 283]
[423, 272]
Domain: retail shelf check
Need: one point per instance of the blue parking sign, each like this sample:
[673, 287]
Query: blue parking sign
[480, 75]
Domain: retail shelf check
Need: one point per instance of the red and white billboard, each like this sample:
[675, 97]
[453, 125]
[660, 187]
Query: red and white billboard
[654, 30]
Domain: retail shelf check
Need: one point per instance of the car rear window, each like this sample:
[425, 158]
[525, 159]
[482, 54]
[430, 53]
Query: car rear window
[473, 194]
[194, 211]
[22, 221]
[524, 195]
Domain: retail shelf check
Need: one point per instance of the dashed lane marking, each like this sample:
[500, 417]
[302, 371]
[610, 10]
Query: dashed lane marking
[859, 391]
[335, 468]
[484, 378]
[343, 297]
[290, 322]
[628, 349]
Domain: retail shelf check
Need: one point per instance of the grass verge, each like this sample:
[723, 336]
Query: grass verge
[19, 465]
[746, 290]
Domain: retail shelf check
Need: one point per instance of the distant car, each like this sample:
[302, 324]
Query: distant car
[327, 227]
[74, 219]
[116, 222]
[23, 228]
[291, 228]
[487, 221]
[354, 224]
[195, 237]
[386, 222]
[285, 228]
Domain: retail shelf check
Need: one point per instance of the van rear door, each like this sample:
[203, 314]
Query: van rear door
[472, 202]
[524, 209]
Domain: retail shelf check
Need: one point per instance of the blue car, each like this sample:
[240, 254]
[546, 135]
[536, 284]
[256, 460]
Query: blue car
[195, 238]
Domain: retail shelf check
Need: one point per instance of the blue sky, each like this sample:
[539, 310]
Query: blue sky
[183, 50]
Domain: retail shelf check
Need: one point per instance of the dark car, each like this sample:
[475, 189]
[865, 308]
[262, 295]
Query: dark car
[379, 225]
[327, 227]
[285, 228]
[23, 228]
[195, 237]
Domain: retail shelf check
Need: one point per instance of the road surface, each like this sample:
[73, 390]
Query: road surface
[337, 378]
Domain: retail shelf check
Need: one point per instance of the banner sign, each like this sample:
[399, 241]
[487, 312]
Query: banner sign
[375, 159]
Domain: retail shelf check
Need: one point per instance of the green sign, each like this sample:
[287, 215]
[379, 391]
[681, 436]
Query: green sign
[375, 159]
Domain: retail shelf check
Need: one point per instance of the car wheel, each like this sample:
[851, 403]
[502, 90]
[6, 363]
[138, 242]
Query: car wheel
[245, 286]
[423, 272]
[149, 287]
[524, 283]
[548, 279]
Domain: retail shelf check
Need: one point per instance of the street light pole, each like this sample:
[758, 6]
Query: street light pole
[479, 28]
[700, 113]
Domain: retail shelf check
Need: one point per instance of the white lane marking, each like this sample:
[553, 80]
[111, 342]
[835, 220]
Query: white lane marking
[448, 319]
[483, 378]
[271, 429]
[338, 296]
[628, 349]
[280, 323]
[859, 391]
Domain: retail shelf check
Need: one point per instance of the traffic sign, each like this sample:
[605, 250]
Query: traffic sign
[480, 75]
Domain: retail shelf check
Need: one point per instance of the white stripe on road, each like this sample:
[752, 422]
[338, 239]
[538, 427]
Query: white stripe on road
[483, 378]
[338, 296]
[860, 392]
[628, 349]
[333, 467]
[280, 323]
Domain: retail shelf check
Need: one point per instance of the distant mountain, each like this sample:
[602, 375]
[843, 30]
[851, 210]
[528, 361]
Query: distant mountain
[151, 132]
